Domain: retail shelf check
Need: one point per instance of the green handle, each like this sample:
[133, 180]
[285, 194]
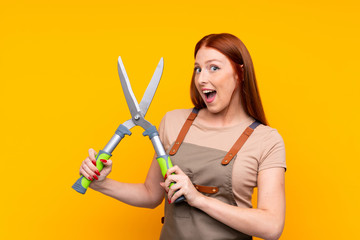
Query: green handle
[82, 184]
[165, 163]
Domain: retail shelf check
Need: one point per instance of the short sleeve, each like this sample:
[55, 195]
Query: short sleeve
[170, 126]
[162, 134]
[273, 151]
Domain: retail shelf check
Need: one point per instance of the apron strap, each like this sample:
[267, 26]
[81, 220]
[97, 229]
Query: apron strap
[239, 143]
[184, 131]
[206, 189]
[233, 151]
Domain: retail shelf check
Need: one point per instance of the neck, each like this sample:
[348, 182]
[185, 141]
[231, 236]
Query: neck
[231, 115]
[225, 118]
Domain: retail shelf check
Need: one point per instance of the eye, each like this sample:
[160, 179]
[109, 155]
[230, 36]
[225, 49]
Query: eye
[197, 70]
[214, 68]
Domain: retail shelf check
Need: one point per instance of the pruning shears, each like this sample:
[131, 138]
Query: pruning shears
[138, 112]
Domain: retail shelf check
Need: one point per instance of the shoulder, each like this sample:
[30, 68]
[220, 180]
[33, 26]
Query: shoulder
[171, 124]
[268, 134]
[272, 147]
[177, 114]
[175, 118]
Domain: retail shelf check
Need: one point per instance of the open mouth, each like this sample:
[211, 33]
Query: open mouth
[209, 95]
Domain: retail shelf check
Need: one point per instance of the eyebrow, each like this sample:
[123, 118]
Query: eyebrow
[211, 60]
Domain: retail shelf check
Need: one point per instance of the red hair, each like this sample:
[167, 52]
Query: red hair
[234, 49]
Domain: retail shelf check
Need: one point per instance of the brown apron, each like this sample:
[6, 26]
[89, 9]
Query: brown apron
[210, 170]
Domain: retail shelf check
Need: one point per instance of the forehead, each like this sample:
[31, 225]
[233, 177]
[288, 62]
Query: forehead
[205, 54]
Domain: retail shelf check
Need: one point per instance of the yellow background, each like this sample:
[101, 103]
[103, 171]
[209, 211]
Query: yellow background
[60, 95]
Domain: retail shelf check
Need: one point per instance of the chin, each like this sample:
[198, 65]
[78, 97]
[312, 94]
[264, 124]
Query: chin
[214, 109]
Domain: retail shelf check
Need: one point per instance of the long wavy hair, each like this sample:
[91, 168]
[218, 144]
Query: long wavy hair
[234, 49]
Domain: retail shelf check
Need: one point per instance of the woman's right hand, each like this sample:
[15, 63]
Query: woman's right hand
[88, 167]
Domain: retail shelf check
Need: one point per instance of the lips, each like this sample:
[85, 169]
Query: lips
[210, 95]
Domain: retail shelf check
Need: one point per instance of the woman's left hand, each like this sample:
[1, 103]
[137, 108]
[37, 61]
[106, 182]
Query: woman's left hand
[182, 186]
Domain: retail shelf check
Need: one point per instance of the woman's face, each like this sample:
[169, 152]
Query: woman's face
[216, 80]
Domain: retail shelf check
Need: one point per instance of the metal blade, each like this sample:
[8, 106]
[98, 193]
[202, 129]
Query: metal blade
[128, 92]
[151, 88]
[129, 124]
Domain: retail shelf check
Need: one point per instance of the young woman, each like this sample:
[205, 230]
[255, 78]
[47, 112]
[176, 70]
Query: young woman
[221, 150]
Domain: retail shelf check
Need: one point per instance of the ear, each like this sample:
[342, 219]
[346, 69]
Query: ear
[237, 80]
[236, 76]
[242, 72]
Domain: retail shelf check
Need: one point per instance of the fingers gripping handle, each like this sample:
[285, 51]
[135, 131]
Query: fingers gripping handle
[163, 159]
[82, 184]
[165, 164]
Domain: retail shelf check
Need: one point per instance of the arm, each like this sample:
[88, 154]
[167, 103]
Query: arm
[267, 221]
[148, 194]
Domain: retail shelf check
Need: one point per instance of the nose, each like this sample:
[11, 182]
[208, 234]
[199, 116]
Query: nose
[202, 78]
